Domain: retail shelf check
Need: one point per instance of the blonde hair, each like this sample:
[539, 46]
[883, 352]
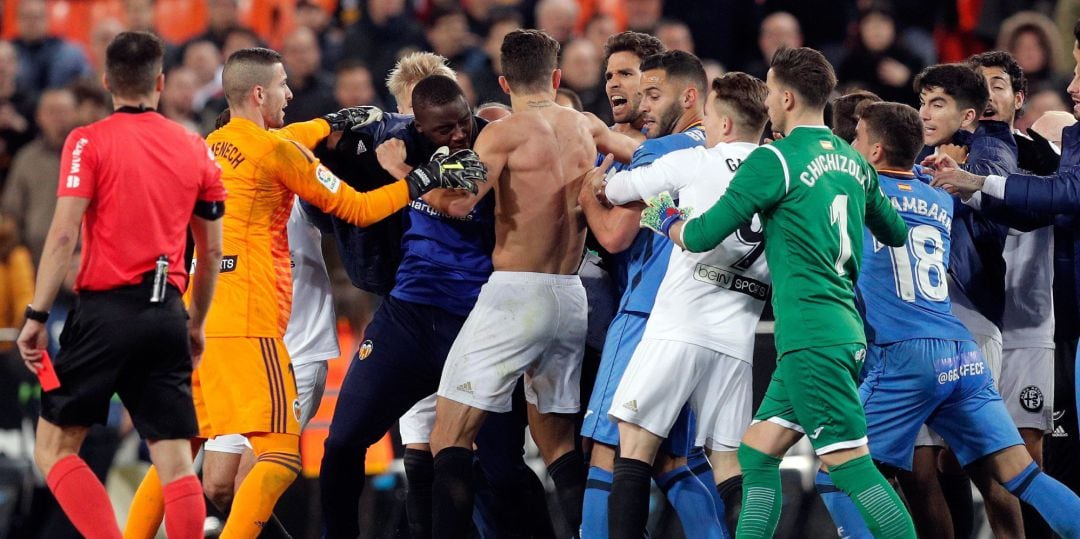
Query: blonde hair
[411, 69]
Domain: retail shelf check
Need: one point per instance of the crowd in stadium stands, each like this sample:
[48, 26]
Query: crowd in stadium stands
[338, 53]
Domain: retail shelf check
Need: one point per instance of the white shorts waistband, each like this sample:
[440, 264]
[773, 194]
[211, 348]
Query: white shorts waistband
[526, 277]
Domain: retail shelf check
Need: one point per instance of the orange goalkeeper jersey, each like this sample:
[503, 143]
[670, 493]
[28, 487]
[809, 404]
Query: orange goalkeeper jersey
[262, 170]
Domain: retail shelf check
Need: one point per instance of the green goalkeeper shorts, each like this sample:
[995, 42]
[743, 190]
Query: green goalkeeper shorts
[814, 391]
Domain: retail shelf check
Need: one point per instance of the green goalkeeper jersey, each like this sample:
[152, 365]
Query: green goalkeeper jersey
[813, 192]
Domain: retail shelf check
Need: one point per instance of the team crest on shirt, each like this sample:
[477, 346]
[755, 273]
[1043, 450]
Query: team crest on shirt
[1031, 398]
[296, 411]
[327, 179]
[365, 349]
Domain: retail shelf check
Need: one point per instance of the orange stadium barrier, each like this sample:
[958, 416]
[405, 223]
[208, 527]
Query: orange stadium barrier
[379, 456]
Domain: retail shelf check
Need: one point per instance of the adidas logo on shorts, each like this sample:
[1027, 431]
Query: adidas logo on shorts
[630, 405]
[466, 387]
[1059, 432]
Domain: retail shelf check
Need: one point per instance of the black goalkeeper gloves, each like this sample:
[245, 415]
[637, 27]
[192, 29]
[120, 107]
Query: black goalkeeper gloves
[353, 118]
[460, 170]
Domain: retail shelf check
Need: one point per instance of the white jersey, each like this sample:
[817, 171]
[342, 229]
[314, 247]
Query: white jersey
[312, 331]
[712, 299]
[1029, 290]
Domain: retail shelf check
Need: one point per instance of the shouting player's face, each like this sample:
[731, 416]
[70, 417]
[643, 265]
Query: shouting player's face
[276, 97]
[623, 78]
[660, 103]
[448, 125]
[941, 115]
[1004, 102]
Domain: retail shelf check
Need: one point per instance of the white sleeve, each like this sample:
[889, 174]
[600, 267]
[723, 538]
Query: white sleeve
[668, 173]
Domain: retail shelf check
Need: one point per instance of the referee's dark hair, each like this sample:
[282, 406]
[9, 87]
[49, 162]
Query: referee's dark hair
[246, 69]
[133, 62]
[959, 81]
[806, 71]
[897, 127]
[435, 91]
[678, 65]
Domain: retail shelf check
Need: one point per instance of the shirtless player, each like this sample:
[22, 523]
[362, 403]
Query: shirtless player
[530, 317]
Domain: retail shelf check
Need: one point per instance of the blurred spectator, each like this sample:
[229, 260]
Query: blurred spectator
[16, 109]
[465, 82]
[777, 30]
[379, 38]
[916, 21]
[643, 15]
[825, 23]
[240, 38]
[221, 17]
[878, 63]
[331, 38]
[1065, 15]
[1039, 102]
[353, 86]
[713, 69]
[178, 96]
[29, 197]
[599, 28]
[1032, 39]
[92, 102]
[45, 61]
[675, 35]
[204, 58]
[568, 98]
[582, 67]
[447, 33]
[139, 15]
[486, 78]
[557, 18]
[481, 13]
[101, 35]
[312, 88]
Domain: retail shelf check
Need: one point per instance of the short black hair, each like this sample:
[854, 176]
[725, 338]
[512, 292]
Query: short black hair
[678, 65]
[528, 59]
[640, 44]
[807, 72]
[575, 99]
[133, 62]
[899, 129]
[960, 81]
[435, 91]
[245, 69]
[844, 118]
[745, 95]
[1004, 61]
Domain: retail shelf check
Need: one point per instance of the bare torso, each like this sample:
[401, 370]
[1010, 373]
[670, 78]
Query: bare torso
[541, 156]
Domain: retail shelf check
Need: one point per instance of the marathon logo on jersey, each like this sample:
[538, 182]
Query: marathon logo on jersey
[228, 264]
[1031, 398]
[327, 179]
[951, 369]
[736, 283]
[76, 163]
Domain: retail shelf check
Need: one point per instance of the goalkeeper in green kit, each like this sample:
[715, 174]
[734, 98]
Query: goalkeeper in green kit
[813, 193]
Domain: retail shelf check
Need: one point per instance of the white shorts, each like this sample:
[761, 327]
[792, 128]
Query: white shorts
[416, 424]
[990, 346]
[523, 323]
[310, 383]
[927, 437]
[1027, 386]
[664, 375]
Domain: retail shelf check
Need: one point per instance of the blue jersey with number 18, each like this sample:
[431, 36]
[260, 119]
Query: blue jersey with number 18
[904, 289]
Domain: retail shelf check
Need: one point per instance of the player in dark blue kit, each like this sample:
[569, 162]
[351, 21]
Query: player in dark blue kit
[673, 122]
[922, 365]
[445, 261]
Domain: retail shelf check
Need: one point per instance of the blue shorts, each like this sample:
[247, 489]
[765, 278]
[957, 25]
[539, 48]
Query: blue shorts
[623, 336]
[943, 383]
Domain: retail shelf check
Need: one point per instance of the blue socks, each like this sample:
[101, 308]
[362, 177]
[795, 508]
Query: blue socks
[699, 465]
[594, 518]
[849, 522]
[694, 503]
[1054, 501]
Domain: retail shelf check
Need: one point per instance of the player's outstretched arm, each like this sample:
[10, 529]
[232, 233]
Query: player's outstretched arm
[608, 141]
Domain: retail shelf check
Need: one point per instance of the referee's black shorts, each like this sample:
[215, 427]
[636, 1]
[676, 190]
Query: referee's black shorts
[116, 341]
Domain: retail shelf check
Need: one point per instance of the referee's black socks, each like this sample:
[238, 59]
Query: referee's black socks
[568, 473]
[628, 504]
[452, 492]
[419, 475]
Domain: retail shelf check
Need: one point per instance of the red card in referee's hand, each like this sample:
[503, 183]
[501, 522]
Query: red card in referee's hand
[47, 374]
